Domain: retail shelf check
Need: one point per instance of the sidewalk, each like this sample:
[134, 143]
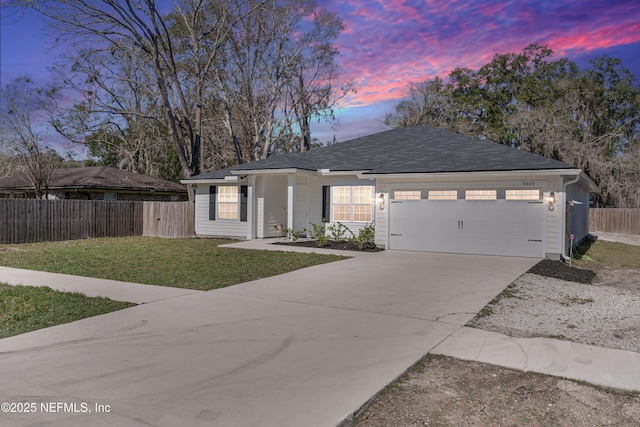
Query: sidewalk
[596, 365]
[112, 289]
[628, 239]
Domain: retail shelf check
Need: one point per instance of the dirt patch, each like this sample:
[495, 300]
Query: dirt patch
[443, 391]
[12, 249]
[598, 303]
[560, 270]
[623, 278]
[343, 245]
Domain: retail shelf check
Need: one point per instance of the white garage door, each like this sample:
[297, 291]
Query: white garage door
[491, 227]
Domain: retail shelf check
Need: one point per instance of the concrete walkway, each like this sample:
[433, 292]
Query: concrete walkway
[596, 365]
[112, 289]
[305, 348]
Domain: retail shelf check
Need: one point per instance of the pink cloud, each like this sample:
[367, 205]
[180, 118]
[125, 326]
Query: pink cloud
[390, 43]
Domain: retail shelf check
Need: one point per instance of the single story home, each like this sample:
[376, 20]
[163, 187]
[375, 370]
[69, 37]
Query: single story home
[96, 183]
[426, 189]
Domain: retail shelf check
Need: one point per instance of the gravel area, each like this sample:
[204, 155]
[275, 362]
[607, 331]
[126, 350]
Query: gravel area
[535, 305]
[551, 300]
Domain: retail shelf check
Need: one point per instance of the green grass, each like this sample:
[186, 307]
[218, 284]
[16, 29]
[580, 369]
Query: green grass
[182, 263]
[27, 308]
[608, 254]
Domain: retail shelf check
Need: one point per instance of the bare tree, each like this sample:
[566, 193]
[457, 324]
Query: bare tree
[24, 108]
[313, 80]
[139, 29]
[223, 81]
[118, 116]
[277, 72]
[429, 103]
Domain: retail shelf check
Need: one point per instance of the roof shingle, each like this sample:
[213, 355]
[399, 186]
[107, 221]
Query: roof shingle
[95, 177]
[419, 149]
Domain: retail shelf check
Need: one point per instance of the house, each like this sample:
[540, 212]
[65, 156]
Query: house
[96, 183]
[426, 189]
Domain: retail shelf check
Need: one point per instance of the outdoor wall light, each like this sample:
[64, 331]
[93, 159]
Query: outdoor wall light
[381, 201]
[551, 200]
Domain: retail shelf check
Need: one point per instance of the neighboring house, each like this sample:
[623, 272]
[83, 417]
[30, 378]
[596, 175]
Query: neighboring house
[96, 183]
[426, 189]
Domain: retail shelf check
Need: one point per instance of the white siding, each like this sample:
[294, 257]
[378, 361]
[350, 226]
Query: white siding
[553, 226]
[315, 199]
[220, 228]
[260, 232]
[382, 220]
[274, 204]
[553, 220]
[301, 204]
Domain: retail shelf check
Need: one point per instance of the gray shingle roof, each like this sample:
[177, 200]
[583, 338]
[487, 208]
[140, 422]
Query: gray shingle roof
[96, 178]
[419, 149]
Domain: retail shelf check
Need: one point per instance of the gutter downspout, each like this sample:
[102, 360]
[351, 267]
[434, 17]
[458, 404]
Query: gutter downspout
[565, 222]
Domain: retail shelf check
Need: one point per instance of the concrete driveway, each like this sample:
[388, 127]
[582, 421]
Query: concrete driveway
[304, 348]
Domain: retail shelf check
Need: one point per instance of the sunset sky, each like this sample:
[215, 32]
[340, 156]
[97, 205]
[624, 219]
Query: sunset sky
[389, 43]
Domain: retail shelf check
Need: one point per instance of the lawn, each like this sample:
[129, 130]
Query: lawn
[27, 308]
[603, 254]
[181, 263]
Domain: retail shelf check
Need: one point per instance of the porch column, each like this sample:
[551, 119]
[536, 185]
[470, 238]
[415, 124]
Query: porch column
[250, 213]
[291, 187]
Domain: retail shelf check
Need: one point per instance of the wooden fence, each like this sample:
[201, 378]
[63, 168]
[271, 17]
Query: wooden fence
[168, 219]
[626, 221]
[29, 220]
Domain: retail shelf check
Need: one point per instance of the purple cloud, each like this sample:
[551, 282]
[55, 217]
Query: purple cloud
[390, 43]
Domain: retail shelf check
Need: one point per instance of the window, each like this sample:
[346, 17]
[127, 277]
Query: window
[110, 196]
[522, 195]
[407, 195]
[352, 204]
[227, 202]
[443, 195]
[480, 195]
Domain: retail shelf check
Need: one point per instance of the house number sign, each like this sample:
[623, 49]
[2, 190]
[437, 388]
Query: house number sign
[529, 183]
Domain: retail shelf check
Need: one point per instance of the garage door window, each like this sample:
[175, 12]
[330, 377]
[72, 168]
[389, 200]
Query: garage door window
[522, 195]
[443, 195]
[406, 195]
[352, 203]
[480, 194]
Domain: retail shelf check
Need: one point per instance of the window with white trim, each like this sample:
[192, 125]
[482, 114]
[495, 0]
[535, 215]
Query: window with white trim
[480, 194]
[407, 195]
[522, 194]
[352, 203]
[443, 194]
[228, 202]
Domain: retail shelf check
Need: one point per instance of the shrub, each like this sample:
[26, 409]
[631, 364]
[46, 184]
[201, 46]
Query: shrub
[318, 234]
[338, 231]
[289, 233]
[366, 237]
